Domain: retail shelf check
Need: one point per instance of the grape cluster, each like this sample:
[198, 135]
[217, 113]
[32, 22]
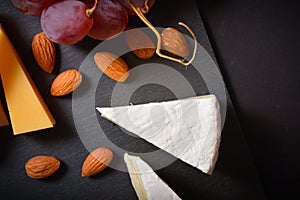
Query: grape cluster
[69, 21]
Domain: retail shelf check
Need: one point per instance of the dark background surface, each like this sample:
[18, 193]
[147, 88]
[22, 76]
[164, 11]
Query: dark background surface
[258, 47]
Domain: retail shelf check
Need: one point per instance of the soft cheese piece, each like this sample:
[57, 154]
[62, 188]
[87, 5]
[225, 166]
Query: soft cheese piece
[146, 182]
[189, 129]
[27, 110]
[3, 119]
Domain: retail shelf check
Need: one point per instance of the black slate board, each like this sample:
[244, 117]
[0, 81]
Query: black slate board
[234, 177]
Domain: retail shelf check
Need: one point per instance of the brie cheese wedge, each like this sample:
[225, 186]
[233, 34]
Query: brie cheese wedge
[189, 129]
[145, 181]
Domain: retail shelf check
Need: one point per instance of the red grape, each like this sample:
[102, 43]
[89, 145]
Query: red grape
[32, 7]
[137, 3]
[110, 18]
[66, 22]
[90, 3]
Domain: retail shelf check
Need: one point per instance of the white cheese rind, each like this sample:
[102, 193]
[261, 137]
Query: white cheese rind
[189, 129]
[147, 184]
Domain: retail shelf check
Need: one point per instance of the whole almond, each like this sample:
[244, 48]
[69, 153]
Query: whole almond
[41, 166]
[140, 43]
[96, 161]
[44, 52]
[112, 65]
[174, 42]
[66, 82]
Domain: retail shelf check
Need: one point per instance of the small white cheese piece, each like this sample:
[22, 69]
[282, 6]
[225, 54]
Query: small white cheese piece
[145, 181]
[189, 129]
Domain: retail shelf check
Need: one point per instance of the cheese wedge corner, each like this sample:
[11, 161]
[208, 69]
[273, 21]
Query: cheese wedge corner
[147, 184]
[189, 129]
[27, 110]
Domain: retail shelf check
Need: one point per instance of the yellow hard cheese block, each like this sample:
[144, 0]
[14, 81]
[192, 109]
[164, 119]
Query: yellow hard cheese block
[27, 110]
[3, 119]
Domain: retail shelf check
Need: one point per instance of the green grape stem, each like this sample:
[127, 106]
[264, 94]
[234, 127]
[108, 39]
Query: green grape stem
[89, 12]
[141, 15]
[145, 9]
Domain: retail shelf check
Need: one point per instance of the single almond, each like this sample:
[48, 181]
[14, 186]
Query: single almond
[140, 43]
[41, 166]
[66, 82]
[174, 42]
[44, 52]
[112, 65]
[96, 161]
